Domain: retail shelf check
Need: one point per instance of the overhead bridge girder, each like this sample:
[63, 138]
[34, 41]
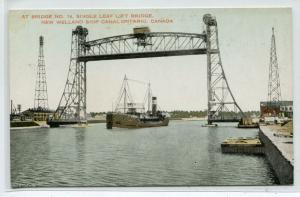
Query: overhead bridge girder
[141, 55]
[155, 44]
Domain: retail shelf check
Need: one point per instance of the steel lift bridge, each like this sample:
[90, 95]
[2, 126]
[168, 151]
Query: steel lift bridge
[72, 105]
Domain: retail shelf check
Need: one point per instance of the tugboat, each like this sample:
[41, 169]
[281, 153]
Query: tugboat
[129, 114]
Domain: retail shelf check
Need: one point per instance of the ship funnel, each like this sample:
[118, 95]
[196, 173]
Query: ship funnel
[41, 40]
[19, 108]
[154, 105]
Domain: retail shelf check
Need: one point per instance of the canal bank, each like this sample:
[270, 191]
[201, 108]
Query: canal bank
[278, 145]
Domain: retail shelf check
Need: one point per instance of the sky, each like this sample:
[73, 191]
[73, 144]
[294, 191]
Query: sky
[179, 82]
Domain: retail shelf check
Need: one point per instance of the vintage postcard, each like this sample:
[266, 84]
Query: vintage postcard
[151, 97]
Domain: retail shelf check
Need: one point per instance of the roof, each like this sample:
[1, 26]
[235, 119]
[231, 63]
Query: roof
[265, 103]
[38, 110]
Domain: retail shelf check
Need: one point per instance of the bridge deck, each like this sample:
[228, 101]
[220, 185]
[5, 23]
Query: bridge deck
[141, 55]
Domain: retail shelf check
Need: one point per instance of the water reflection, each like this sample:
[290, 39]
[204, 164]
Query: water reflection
[80, 143]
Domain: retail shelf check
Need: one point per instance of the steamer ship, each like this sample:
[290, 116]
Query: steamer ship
[129, 114]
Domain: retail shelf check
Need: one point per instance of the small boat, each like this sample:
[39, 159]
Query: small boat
[129, 114]
[209, 125]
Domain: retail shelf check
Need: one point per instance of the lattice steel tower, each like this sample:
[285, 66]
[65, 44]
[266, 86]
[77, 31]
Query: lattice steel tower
[72, 105]
[41, 95]
[274, 92]
[221, 102]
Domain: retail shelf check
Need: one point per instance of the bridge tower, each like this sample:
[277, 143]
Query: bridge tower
[274, 92]
[41, 95]
[72, 105]
[221, 101]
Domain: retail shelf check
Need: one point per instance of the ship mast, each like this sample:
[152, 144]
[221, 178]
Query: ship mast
[149, 96]
[125, 98]
[125, 94]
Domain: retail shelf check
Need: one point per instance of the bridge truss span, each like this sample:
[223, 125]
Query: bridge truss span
[153, 44]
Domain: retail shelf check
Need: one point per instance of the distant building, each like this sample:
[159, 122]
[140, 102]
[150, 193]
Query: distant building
[281, 108]
[287, 109]
[37, 114]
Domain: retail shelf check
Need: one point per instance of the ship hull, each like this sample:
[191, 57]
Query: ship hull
[131, 121]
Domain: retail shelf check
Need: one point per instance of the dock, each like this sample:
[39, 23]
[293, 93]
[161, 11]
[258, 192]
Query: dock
[275, 142]
[278, 143]
[25, 123]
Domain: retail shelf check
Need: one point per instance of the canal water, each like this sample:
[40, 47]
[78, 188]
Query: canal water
[182, 154]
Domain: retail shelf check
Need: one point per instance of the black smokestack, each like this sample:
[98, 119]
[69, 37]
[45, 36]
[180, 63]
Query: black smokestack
[41, 40]
[154, 105]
